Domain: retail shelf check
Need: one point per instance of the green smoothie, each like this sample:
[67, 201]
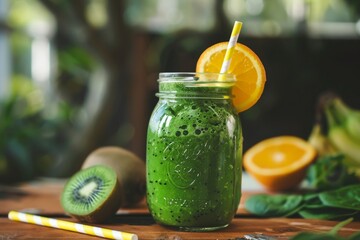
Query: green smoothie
[194, 149]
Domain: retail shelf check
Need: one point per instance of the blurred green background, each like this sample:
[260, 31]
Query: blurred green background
[77, 75]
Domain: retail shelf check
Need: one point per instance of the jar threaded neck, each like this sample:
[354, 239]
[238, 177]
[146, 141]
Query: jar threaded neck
[195, 85]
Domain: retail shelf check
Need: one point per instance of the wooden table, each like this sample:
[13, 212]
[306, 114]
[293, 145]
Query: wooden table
[42, 198]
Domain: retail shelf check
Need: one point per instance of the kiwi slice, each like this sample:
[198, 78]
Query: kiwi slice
[130, 170]
[92, 195]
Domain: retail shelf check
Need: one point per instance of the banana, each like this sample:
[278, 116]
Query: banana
[320, 142]
[345, 144]
[353, 126]
[339, 134]
[349, 116]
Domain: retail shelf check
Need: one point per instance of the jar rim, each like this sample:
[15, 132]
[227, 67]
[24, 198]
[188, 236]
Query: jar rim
[196, 77]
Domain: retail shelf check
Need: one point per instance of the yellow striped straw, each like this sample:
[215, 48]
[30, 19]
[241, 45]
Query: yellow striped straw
[70, 226]
[231, 45]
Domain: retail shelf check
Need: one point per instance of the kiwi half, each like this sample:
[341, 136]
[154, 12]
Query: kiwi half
[129, 167]
[92, 195]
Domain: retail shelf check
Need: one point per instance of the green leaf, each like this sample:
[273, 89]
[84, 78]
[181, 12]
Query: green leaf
[346, 197]
[273, 205]
[338, 226]
[326, 213]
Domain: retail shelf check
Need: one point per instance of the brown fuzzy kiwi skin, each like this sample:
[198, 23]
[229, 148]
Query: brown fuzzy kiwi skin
[130, 170]
[106, 211]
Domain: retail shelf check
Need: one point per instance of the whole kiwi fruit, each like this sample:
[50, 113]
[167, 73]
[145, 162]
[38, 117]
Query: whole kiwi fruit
[92, 195]
[130, 171]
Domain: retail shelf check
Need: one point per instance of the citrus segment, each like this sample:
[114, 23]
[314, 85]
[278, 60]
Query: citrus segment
[245, 65]
[279, 163]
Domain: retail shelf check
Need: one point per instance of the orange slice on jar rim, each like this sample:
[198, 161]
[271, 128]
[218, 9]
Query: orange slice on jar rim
[245, 66]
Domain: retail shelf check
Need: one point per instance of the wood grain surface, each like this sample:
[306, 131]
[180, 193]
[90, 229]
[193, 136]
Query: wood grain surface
[42, 198]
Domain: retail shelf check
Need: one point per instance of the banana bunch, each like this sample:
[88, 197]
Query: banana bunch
[321, 142]
[342, 134]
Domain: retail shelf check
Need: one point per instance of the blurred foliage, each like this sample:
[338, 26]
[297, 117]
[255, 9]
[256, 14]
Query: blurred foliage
[75, 66]
[24, 12]
[96, 13]
[76, 61]
[29, 141]
[31, 136]
[34, 130]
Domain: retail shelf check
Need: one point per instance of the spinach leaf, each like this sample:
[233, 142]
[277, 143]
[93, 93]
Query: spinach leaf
[329, 213]
[346, 197]
[334, 204]
[273, 205]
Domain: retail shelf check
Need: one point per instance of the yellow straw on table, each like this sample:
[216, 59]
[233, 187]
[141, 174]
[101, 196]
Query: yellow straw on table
[231, 45]
[70, 226]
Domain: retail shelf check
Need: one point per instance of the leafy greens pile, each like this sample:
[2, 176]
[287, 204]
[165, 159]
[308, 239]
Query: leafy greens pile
[340, 203]
[329, 172]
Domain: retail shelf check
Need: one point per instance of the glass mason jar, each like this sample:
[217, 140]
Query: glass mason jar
[194, 152]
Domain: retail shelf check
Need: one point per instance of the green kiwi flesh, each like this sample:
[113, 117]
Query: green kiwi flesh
[129, 167]
[92, 195]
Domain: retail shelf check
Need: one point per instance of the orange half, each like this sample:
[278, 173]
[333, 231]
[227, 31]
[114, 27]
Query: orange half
[279, 163]
[245, 65]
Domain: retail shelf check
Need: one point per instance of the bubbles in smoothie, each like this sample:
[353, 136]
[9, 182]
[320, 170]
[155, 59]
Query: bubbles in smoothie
[179, 160]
